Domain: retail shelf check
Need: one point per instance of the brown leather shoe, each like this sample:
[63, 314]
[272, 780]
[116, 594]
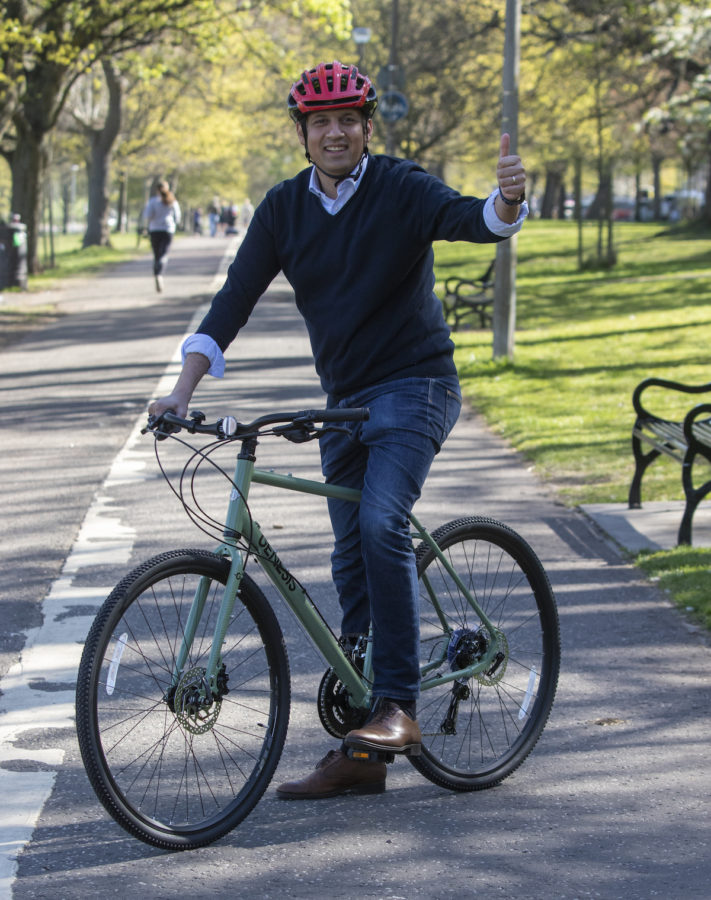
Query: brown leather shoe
[336, 774]
[390, 730]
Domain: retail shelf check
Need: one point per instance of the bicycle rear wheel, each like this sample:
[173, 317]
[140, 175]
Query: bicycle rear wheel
[172, 768]
[476, 732]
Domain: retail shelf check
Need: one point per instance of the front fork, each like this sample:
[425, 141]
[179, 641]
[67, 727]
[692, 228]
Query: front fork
[237, 518]
[214, 662]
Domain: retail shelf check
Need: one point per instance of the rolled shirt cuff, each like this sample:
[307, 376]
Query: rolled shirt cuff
[494, 223]
[203, 343]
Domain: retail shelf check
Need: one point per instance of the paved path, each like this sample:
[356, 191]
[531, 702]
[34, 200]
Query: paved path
[612, 803]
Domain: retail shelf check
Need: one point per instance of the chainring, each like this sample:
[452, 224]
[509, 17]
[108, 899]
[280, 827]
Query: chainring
[337, 716]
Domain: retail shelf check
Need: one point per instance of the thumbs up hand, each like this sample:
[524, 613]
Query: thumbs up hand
[510, 172]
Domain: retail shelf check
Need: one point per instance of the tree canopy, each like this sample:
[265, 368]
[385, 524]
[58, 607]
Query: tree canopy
[195, 90]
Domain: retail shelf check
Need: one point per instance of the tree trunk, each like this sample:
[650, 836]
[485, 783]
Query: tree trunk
[657, 161]
[610, 253]
[28, 164]
[550, 204]
[101, 142]
[707, 198]
[122, 207]
[578, 208]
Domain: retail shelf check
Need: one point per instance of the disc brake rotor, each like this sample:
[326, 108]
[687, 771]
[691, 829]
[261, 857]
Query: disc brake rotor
[195, 712]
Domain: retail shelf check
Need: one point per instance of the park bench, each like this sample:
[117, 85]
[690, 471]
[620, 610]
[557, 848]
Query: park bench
[466, 298]
[684, 441]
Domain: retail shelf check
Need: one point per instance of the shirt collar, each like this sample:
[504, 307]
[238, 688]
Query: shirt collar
[344, 190]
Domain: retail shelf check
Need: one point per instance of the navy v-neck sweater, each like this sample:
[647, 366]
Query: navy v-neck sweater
[363, 279]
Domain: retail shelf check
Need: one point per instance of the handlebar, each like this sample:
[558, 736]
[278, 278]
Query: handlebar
[296, 426]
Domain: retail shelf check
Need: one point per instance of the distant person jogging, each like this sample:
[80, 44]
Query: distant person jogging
[161, 217]
[353, 234]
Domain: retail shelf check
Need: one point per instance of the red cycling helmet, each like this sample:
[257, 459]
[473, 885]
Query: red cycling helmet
[331, 86]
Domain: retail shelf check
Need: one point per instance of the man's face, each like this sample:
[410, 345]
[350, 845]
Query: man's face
[336, 139]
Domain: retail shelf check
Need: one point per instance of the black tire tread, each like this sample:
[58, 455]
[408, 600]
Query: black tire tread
[84, 698]
[486, 528]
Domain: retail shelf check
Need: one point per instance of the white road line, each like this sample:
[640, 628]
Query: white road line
[34, 692]
[38, 691]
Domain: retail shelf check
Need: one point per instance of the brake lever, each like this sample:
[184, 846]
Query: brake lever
[342, 428]
[161, 434]
[296, 432]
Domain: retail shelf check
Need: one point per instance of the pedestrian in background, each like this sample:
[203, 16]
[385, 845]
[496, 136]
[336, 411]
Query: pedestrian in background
[213, 215]
[161, 217]
[245, 214]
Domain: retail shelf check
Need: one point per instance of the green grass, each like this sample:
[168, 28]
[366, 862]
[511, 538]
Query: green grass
[685, 573]
[71, 259]
[584, 340]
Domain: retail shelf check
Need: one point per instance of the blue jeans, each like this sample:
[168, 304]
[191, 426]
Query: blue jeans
[373, 562]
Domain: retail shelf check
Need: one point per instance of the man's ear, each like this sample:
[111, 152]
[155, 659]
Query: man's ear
[300, 134]
[369, 129]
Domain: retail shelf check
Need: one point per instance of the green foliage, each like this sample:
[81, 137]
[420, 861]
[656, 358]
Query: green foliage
[211, 116]
[683, 44]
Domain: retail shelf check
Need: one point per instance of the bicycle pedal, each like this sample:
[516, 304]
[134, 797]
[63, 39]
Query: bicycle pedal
[360, 755]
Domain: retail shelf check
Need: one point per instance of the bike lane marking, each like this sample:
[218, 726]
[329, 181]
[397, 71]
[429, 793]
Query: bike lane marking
[38, 691]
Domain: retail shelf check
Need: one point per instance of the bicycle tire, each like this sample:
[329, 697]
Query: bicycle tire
[476, 733]
[173, 777]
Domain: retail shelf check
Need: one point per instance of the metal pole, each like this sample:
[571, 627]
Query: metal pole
[392, 69]
[505, 281]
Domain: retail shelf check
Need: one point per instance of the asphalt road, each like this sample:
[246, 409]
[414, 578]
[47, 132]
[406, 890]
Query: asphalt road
[612, 803]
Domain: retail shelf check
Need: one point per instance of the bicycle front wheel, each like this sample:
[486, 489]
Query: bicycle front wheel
[477, 731]
[174, 767]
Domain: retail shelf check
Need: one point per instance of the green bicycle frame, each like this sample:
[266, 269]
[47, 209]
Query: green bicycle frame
[239, 524]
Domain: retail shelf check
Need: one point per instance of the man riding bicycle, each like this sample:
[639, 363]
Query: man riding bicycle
[353, 234]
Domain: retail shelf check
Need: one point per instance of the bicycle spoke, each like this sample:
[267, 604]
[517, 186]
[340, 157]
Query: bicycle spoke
[183, 762]
[478, 729]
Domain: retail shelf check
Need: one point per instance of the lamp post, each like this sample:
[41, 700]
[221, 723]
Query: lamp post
[505, 280]
[393, 70]
[361, 37]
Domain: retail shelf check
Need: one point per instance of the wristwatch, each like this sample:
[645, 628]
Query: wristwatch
[513, 202]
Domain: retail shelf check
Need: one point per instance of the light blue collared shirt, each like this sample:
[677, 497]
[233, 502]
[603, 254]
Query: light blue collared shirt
[345, 189]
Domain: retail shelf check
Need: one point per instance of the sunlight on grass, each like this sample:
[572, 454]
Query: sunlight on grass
[583, 343]
[71, 259]
[685, 573]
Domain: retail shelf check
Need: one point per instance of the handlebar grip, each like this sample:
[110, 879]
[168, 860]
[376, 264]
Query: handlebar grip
[175, 422]
[164, 424]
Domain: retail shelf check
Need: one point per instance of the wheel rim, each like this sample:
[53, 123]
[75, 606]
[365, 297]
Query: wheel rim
[476, 727]
[179, 765]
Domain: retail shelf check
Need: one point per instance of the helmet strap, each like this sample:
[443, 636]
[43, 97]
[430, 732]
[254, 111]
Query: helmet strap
[337, 179]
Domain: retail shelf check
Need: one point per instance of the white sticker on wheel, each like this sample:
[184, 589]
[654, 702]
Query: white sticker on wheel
[113, 668]
[529, 693]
